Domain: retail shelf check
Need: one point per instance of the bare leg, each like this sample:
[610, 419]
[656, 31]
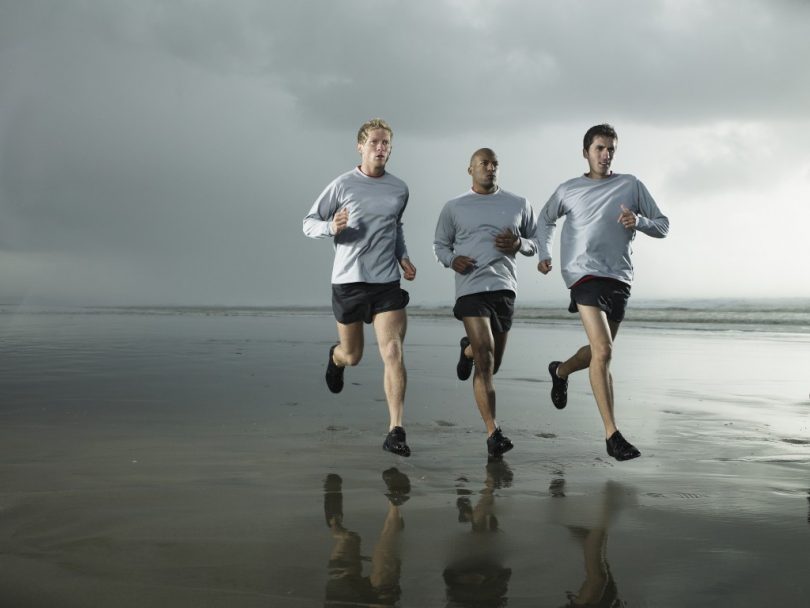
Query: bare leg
[600, 338]
[350, 350]
[582, 358]
[579, 360]
[500, 348]
[482, 344]
[390, 327]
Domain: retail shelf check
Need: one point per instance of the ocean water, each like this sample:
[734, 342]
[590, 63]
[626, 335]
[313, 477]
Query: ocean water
[790, 315]
[784, 315]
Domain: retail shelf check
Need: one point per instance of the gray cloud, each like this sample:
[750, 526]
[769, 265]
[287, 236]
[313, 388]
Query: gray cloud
[452, 65]
[166, 152]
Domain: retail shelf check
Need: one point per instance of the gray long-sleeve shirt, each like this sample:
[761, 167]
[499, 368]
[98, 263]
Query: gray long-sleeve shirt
[368, 250]
[593, 242]
[468, 225]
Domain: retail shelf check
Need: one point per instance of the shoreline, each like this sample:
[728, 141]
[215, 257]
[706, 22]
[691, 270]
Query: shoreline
[780, 316]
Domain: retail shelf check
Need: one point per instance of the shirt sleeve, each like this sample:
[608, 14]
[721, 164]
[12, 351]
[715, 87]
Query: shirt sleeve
[317, 223]
[444, 238]
[528, 231]
[650, 220]
[401, 250]
[547, 224]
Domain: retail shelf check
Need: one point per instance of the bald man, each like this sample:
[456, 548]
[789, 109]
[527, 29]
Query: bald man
[478, 235]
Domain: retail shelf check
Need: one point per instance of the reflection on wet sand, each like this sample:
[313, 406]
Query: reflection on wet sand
[476, 575]
[588, 519]
[346, 585]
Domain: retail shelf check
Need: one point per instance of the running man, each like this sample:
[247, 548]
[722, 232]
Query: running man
[361, 211]
[478, 235]
[603, 212]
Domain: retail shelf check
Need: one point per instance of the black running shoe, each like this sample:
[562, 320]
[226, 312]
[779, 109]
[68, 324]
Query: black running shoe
[559, 387]
[497, 444]
[395, 442]
[334, 373]
[620, 448]
[465, 365]
[398, 486]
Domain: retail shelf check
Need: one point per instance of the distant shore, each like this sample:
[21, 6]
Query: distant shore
[776, 314]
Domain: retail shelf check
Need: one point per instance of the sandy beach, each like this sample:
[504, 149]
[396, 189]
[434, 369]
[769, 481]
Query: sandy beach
[199, 460]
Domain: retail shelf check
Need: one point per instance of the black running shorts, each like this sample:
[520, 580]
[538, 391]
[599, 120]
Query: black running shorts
[608, 295]
[499, 306]
[352, 302]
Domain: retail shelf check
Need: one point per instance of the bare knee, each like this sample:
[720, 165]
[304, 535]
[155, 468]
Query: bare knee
[484, 359]
[391, 352]
[601, 353]
[351, 357]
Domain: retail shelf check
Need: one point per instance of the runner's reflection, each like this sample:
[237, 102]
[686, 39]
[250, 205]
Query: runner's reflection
[476, 575]
[588, 519]
[346, 585]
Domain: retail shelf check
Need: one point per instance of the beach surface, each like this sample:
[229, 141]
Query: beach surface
[197, 459]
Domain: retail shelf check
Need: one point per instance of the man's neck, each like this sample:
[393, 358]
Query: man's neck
[481, 190]
[371, 171]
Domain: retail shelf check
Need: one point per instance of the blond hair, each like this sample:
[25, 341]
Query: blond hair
[371, 125]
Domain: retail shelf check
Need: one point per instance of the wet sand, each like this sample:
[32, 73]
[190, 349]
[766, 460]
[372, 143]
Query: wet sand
[198, 460]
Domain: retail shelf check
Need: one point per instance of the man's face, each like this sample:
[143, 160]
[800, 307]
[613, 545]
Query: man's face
[374, 152]
[600, 156]
[484, 172]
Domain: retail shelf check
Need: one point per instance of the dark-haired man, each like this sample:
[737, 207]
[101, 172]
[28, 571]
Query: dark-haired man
[361, 211]
[603, 211]
[478, 235]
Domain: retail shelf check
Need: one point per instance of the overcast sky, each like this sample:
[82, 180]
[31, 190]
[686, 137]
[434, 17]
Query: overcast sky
[166, 152]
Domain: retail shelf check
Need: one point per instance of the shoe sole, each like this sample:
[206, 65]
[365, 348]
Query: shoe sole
[500, 453]
[404, 452]
[622, 457]
[625, 459]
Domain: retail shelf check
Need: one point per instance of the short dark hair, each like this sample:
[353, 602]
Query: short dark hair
[604, 130]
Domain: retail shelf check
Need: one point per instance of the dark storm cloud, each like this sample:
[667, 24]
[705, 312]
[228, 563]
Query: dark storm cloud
[167, 151]
[453, 65]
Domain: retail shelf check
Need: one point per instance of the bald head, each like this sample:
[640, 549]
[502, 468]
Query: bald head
[484, 171]
[482, 153]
